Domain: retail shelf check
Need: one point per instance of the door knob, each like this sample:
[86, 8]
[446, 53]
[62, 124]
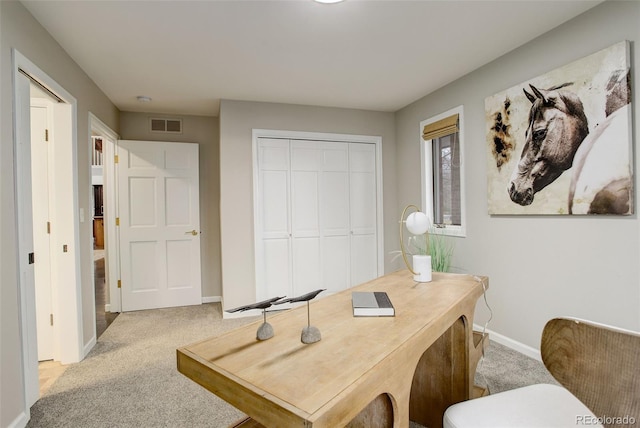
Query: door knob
[193, 232]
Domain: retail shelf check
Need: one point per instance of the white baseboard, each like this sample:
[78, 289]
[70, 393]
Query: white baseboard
[206, 299]
[510, 343]
[21, 421]
[89, 346]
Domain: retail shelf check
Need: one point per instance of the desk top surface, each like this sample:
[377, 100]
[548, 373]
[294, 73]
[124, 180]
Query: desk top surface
[307, 377]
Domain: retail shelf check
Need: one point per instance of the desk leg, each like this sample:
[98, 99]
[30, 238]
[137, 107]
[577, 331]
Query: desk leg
[432, 391]
[378, 414]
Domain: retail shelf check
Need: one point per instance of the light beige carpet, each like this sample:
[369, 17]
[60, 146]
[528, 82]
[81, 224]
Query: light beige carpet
[130, 378]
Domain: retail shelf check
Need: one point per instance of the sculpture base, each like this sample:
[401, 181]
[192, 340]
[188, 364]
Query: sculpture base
[265, 332]
[310, 334]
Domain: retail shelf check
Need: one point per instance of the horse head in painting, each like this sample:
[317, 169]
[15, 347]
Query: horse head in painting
[556, 128]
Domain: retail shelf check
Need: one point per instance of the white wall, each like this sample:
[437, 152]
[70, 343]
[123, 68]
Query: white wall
[21, 31]
[237, 119]
[539, 267]
[203, 130]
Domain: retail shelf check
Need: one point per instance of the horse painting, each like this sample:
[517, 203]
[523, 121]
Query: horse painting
[557, 138]
[557, 126]
[561, 143]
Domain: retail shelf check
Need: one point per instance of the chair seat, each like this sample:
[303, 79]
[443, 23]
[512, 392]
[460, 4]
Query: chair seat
[541, 405]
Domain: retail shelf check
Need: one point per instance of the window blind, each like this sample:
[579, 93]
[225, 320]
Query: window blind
[446, 126]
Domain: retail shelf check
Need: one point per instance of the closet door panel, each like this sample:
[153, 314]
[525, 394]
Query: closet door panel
[334, 208]
[305, 171]
[307, 271]
[363, 203]
[304, 201]
[306, 157]
[362, 157]
[273, 154]
[273, 192]
[363, 259]
[274, 198]
[276, 268]
[335, 156]
[362, 165]
[273, 223]
[334, 204]
[336, 263]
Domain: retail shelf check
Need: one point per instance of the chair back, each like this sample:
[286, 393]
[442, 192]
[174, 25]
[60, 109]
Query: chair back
[598, 364]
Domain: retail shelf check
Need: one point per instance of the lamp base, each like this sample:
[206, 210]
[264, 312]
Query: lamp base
[422, 266]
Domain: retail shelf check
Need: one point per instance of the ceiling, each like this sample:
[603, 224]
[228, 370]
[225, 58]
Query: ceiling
[363, 54]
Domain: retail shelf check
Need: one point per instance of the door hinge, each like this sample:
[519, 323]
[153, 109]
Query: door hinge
[49, 227]
[117, 221]
[46, 135]
[51, 319]
[119, 283]
[116, 159]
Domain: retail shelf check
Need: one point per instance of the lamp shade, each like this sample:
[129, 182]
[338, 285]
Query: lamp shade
[417, 223]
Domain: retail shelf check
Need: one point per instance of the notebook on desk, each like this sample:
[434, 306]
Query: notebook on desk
[371, 304]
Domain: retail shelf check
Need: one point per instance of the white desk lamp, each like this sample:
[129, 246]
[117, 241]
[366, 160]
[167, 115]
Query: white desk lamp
[417, 223]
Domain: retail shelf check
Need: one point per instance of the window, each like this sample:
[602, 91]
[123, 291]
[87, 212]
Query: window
[443, 178]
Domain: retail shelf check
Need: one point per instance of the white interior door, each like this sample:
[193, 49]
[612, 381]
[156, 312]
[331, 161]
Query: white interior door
[158, 198]
[41, 227]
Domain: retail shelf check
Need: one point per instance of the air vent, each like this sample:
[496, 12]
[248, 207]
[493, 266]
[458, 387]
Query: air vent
[170, 126]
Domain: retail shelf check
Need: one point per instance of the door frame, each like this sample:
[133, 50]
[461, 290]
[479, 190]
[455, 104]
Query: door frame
[321, 136]
[68, 347]
[111, 244]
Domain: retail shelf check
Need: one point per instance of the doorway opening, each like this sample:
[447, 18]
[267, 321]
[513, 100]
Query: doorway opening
[105, 256]
[107, 297]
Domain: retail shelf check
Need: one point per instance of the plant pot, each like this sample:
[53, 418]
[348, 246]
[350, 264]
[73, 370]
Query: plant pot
[422, 267]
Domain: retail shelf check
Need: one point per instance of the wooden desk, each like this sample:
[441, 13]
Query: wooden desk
[364, 372]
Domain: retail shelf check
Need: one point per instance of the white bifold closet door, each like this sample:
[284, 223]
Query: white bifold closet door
[316, 216]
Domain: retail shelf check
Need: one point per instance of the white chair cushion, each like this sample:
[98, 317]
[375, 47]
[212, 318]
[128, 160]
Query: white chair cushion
[542, 405]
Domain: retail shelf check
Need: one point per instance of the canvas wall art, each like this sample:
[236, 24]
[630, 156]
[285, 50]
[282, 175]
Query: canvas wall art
[561, 143]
